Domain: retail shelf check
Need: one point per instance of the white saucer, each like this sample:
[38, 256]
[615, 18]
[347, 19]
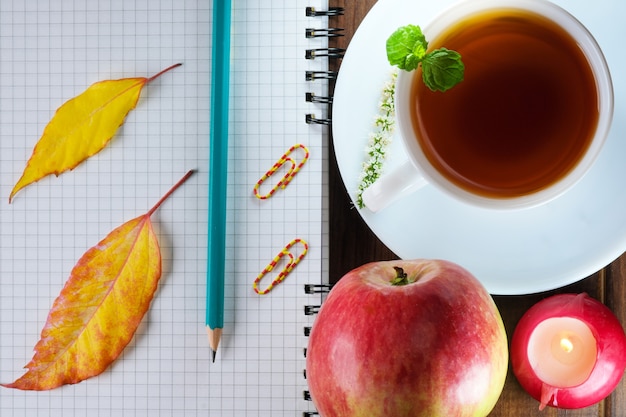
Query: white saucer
[510, 252]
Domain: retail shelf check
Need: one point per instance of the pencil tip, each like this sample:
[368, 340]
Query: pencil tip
[214, 339]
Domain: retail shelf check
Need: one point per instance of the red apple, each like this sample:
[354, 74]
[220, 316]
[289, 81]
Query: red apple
[407, 339]
[610, 351]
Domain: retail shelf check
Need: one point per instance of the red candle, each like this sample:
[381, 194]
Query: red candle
[568, 351]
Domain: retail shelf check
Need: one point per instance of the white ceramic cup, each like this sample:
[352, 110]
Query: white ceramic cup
[417, 171]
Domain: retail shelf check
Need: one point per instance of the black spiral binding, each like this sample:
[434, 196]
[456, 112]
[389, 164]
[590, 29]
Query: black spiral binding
[317, 288]
[332, 11]
[310, 310]
[312, 76]
[324, 52]
[320, 75]
[320, 33]
[315, 53]
[312, 98]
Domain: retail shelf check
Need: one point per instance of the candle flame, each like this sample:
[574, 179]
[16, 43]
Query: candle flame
[567, 345]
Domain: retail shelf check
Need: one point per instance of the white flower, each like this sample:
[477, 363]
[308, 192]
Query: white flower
[379, 140]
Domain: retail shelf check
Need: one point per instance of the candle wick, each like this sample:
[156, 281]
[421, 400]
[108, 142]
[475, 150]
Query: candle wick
[567, 345]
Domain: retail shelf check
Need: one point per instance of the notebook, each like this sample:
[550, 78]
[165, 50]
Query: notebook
[51, 51]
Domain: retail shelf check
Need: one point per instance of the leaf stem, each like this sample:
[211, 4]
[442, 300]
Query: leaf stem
[178, 184]
[163, 72]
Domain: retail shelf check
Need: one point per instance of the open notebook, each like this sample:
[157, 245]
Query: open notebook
[51, 51]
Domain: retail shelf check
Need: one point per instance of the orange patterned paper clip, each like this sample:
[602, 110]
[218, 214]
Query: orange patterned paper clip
[291, 264]
[286, 179]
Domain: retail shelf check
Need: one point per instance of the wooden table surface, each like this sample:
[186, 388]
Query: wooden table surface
[353, 244]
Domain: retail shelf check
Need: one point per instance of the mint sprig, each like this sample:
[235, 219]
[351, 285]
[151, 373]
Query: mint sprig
[442, 68]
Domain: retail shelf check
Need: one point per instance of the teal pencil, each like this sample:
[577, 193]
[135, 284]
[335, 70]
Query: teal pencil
[218, 164]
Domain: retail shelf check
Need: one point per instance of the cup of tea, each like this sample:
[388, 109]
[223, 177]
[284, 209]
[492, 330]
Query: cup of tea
[526, 123]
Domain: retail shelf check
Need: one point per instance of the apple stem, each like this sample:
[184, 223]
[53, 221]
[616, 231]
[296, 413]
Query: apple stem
[401, 277]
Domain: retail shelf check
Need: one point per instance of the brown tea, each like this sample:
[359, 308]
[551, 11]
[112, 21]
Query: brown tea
[523, 116]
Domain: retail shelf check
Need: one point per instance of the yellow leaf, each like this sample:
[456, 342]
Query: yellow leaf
[82, 127]
[97, 312]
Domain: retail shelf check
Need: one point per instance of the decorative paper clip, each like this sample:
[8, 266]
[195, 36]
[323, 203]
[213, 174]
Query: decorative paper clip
[286, 179]
[291, 264]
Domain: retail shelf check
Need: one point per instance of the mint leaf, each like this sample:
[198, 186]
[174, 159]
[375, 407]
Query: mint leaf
[406, 47]
[442, 69]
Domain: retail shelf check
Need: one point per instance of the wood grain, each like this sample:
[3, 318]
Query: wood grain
[352, 244]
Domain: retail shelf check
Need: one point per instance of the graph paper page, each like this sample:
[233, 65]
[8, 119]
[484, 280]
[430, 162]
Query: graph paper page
[50, 52]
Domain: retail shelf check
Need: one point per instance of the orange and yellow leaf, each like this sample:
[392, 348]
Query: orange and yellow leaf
[82, 127]
[98, 310]
[102, 304]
